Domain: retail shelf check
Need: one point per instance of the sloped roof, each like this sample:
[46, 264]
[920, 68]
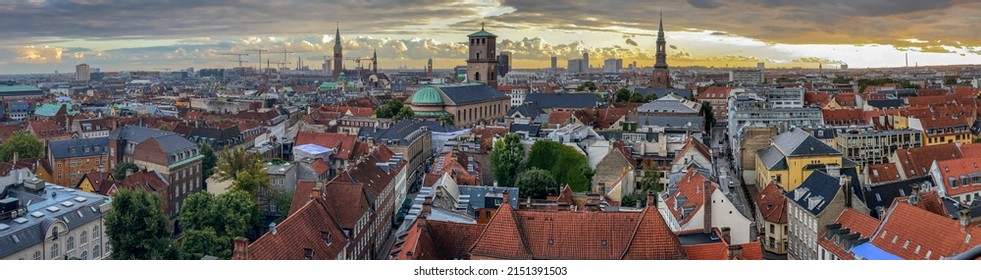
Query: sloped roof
[883, 173]
[816, 192]
[917, 161]
[563, 100]
[692, 144]
[772, 158]
[798, 142]
[772, 204]
[343, 144]
[470, 93]
[906, 228]
[958, 169]
[311, 227]
[85, 147]
[688, 198]
[884, 194]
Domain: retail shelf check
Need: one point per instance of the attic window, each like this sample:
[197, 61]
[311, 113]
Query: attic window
[551, 242]
[307, 254]
[325, 236]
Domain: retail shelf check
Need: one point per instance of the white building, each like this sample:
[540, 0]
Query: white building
[695, 202]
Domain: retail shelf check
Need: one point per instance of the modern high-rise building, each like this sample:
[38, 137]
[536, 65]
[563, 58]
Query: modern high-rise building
[575, 66]
[612, 65]
[482, 62]
[82, 72]
[585, 62]
[661, 76]
[503, 63]
[555, 63]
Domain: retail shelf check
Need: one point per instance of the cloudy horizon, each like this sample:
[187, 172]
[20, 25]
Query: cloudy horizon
[44, 36]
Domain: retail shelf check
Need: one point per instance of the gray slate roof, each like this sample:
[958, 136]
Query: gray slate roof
[772, 158]
[666, 105]
[528, 110]
[173, 143]
[798, 142]
[32, 231]
[533, 130]
[816, 192]
[136, 134]
[670, 121]
[884, 194]
[403, 132]
[661, 92]
[886, 103]
[82, 147]
[563, 100]
[471, 93]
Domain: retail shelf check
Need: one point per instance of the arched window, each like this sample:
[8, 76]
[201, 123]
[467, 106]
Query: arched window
[478, 55]
[83, 238]
[477, 76]
[37, 255]
[84, 255]
[54, 251]
[96, 233]
[96, 251]
[70, 245]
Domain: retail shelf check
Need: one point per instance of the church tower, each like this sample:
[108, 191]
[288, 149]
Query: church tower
[338, 58]
[374, 62]
[482, 61]
[661, 76]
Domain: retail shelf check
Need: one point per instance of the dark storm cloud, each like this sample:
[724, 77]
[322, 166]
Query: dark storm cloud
[178, 18]
[704, 4]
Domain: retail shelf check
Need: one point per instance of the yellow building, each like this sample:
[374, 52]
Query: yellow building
[943, 129]
[792, 156]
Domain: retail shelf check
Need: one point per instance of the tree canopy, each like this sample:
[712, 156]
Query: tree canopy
[119, 171]
[650, 180]
[390, 109]
[211, 222]
[708, 114]
[137, 227]
[404, 113]
[537, 184]
[25, 144]
[567, 166]
[623, 95]
[507, 159]
[587, 86]
[209, 161]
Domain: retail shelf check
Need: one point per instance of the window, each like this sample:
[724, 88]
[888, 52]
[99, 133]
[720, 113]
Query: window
[772, 228]
[96, 251]
[96, 233]
[83, 238]
[37, 255]
[54, 250]
[70, 245]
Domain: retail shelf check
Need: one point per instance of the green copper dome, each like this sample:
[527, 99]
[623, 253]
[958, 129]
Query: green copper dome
[427, 95]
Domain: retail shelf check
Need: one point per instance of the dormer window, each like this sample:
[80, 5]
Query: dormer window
[307, 254]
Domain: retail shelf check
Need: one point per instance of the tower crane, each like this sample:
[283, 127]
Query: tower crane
[284, 52]
[240, 55]
[260, 51]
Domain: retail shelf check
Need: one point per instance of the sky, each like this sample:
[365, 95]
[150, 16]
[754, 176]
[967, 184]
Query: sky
[43, 36]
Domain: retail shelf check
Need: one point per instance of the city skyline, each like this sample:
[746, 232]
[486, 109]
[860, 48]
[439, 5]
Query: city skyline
[55, 36]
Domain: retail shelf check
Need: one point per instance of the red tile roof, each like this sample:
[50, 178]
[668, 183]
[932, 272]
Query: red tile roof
[772, 204]
[320, 166]
[692, 143]
[955, 168]
[932, 91]
[930, 201]
[690, 188]
[602, 118]
[844, 117]
[846, 99]
[559, 117]
[817, 98]
[715, 93]
[916, 162]
[311, 228]
[436, 240]
[883, 173]
[972, 150]
[301, 195]
[857, 222]
[458, 169]
[355, 111]
[343, 144]
[906, 228]
[529, 234]
[965, 91]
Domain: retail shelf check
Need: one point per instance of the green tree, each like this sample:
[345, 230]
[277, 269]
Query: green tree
[283, 201]
[404, 113]
[231, 161]
[25, 144]
[635, 97]
[137, 228]
[650, 180]
[445, 119]
[537, 184]
[119, 171]
[165, 127]
[567, 166]
[623, 95]
[211, 222]
[587, 86]
[208, 162]
[389, 110]
[507, 159]
[631, 200]
[708, 114]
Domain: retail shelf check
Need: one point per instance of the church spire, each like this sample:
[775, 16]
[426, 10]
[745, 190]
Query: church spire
[337, 37]
[660, 23]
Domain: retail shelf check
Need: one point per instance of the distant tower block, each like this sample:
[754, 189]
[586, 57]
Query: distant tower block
[429, 68]
[482, 60]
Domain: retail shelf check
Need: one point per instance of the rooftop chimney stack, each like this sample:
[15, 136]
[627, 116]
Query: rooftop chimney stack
[317, 191]
[241, 249]
[964, 216]
[845, 181]
[726, 234]
[506, 196]
[707, 205]
[735, 252]
[651, 199]
[914, 196]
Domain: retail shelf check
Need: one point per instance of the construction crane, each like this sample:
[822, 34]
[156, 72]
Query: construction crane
[240, 55]
[260, 57]
[284, 52]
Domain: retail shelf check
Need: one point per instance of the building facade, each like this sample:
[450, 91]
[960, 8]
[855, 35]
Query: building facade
[70, 159]
[876, 146]
[482, 59]
[466, 104]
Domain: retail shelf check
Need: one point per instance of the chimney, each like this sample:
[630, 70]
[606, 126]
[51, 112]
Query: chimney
[964, 216]
[506, 197]
[726, 237]
[600, 188]
[735, 252]
[845, 181]
[833, 170]
[914, 196]
[707, 206]
[241, 249]
[651, 200]
[317, 191]
[881, 211]
[427, 206]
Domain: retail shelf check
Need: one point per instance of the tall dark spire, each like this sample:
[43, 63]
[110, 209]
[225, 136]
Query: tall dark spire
[662, 55]
[337, 37]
